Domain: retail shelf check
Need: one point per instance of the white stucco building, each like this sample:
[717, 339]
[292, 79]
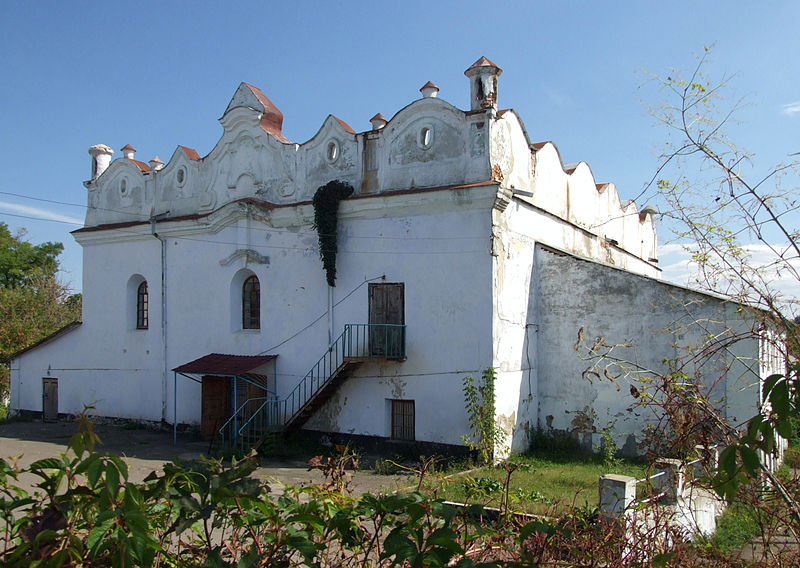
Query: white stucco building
[464, 245]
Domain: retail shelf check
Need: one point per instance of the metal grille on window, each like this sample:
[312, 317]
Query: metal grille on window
[403, 420]
[142, 306]
[251, 304]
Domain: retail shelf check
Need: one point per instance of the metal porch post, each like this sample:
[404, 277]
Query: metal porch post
[235, 408]
[174, 408]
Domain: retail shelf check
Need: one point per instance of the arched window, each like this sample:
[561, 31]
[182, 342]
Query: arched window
[142, 305]
[251, 303]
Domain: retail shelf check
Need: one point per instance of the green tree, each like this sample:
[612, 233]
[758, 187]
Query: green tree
[740, 226]
[33, 303]
[22, 263]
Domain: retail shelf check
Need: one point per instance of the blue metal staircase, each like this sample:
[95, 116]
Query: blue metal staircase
[358, 343]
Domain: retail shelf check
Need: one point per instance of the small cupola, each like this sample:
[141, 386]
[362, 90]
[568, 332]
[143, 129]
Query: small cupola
[378, 121]
[128, 152]
[483, 76]
[429, 90]
[101, 158]
[156, 164]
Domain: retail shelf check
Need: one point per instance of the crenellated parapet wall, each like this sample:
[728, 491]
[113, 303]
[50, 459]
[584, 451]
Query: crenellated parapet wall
[537, 176]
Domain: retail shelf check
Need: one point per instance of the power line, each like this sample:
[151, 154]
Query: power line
[350, 293]
[279, 247]
[48, 200]
[137, 217]
[40, 218]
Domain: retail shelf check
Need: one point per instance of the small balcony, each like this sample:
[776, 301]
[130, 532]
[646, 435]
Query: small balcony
[361, 341]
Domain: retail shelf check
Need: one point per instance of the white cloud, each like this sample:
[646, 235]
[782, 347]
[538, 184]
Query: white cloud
[677, 266]
[791, 108]
[39, 213]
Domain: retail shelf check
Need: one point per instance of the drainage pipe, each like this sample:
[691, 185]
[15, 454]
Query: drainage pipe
[165, 372]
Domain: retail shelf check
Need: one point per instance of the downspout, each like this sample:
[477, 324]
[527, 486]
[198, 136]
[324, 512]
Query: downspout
[163, 241]
[330, 315]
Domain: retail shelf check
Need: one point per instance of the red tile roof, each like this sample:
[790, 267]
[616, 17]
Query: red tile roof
[222, 364]
[429, 85]
[345, 125]
[272, 118]
[128, 147]
[191, 153]
[142, 166]
[483, 62]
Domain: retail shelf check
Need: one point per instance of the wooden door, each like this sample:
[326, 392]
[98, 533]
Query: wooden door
[49, 399]
[387, 306]
[215, 408]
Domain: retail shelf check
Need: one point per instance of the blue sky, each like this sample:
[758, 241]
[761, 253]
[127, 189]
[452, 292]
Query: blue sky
[159, 74]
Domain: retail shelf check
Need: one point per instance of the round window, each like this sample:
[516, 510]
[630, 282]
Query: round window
[181, 176]
[123, 187]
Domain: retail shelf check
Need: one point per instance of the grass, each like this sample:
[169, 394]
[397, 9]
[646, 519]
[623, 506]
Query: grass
[792, 457]
[737, 526]
[6, 419]
[743, 521]
[543, 484]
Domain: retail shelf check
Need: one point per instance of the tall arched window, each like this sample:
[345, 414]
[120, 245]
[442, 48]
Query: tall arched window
[142, 306]
[251, 303]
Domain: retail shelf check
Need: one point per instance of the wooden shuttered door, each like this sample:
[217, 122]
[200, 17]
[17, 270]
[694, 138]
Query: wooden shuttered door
[387, 306]
[49, 399]
[215, 404]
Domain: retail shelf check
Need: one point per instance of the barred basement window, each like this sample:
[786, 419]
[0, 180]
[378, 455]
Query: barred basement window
[251, 304]
[403, 420]
[142, 307]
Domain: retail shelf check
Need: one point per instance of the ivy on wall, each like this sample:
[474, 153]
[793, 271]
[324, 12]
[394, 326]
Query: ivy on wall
[486, 436]
[326, 215]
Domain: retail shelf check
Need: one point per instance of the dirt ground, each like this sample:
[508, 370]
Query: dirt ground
[146, 450]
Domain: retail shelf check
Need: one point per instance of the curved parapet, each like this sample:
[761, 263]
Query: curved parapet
[249, 102]
[332, 153]
[537, 175]
[429, 143]
[119, 194]
[571, 192]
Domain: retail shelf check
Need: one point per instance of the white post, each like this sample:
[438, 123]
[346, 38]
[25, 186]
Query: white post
[617, 494]
[668, 479]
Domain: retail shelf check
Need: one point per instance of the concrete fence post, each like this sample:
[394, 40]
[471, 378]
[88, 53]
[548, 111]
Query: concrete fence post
[668, 479]
[709, 460]
[617, 493]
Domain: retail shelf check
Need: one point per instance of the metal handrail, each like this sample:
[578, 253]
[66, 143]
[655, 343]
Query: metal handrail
[235, 415]
[357, 341]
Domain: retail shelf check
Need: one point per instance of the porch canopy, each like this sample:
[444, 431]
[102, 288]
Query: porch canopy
[219, 365]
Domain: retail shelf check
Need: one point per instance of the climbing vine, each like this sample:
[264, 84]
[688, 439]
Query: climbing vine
[326, 215]
[485, 433]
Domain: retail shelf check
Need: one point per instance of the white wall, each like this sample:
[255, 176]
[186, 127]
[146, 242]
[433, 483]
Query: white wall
[436, 243]
[659, 323]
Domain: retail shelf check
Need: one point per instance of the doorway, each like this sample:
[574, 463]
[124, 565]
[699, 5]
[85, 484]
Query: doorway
[387, 306]
[49, 399]
[215, 404]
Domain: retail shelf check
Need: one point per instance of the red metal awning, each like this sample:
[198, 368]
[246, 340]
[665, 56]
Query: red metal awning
[223, 364]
